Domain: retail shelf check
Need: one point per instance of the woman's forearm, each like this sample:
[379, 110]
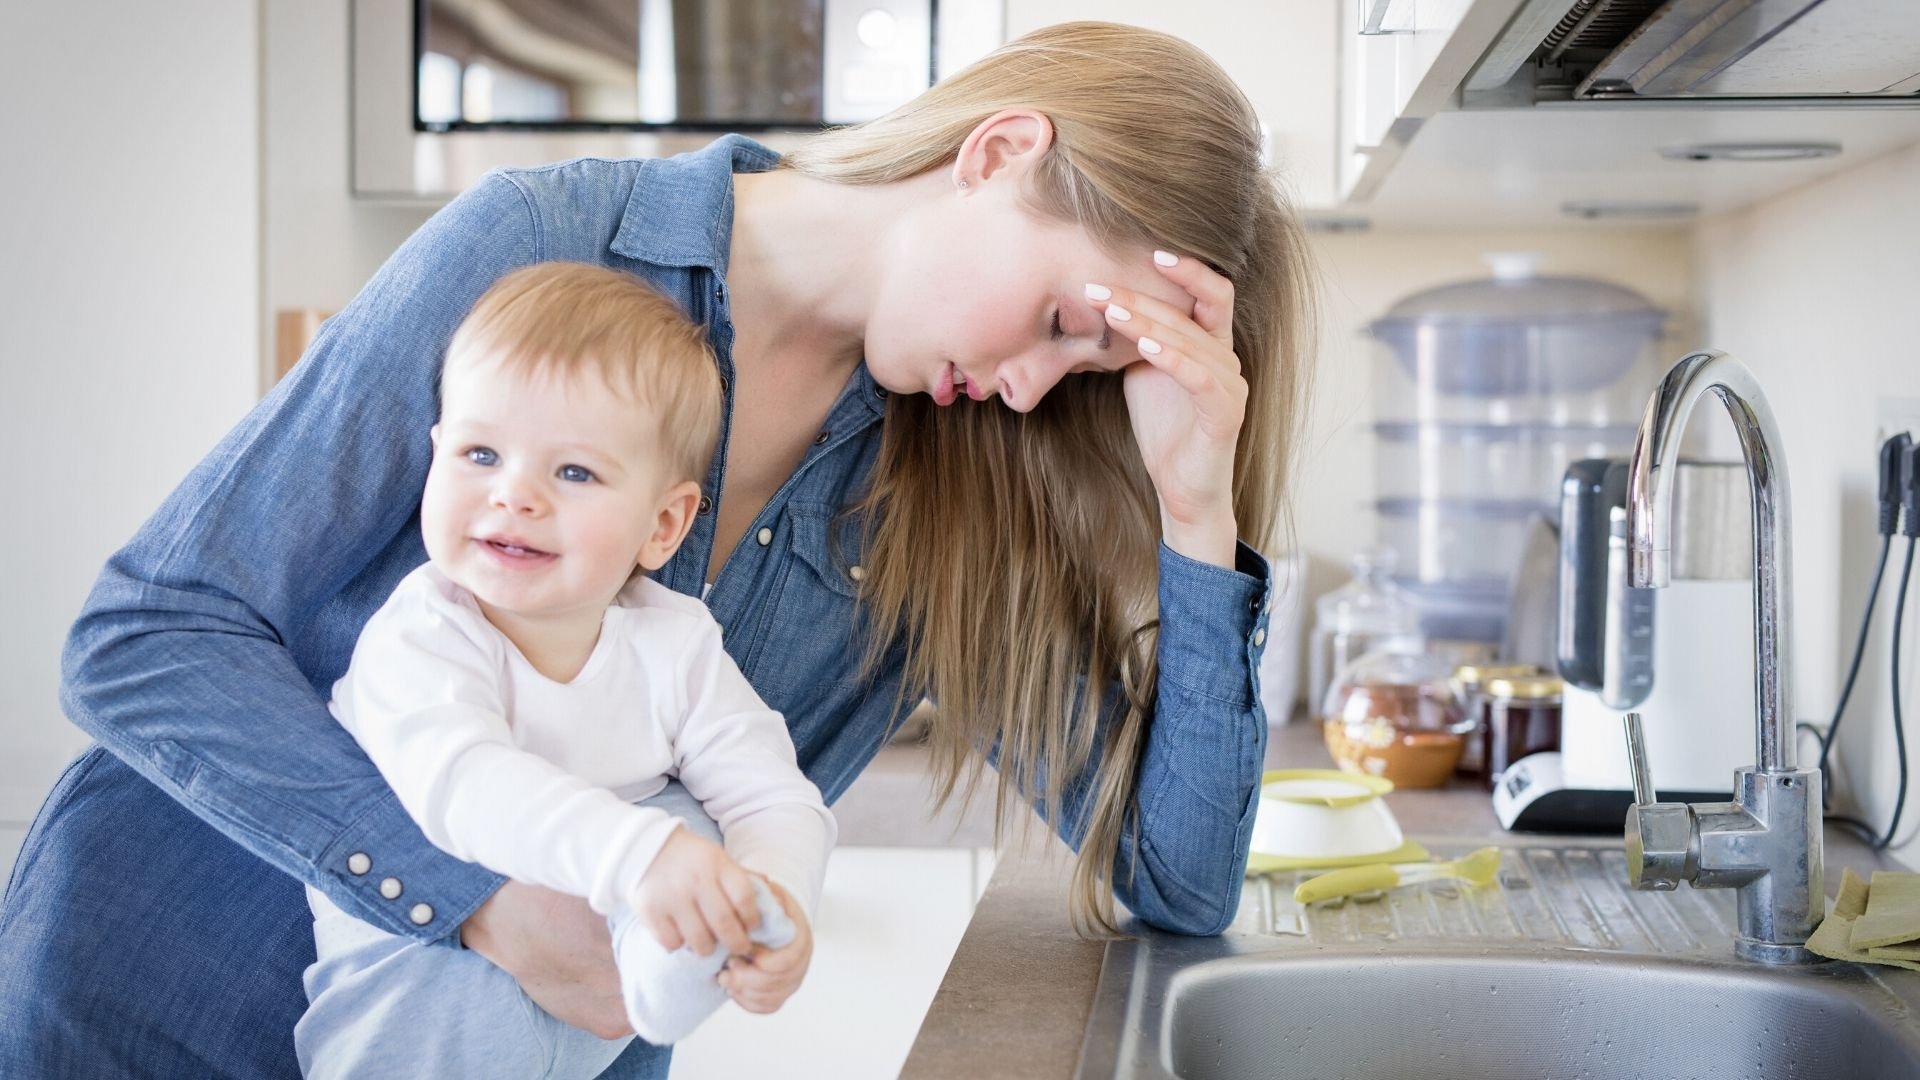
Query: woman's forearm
[1200, 769]
[202, 654]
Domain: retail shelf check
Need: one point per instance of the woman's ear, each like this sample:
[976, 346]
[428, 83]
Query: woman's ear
[670, 525]
[1008, 144]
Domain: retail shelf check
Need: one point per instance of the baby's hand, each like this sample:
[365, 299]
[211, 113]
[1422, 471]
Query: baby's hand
[694, 894]
[762, 981]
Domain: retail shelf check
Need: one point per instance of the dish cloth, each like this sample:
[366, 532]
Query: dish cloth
[1876, 923]
[668, 994]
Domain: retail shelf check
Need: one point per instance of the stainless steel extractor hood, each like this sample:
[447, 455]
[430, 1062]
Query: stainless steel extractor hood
[1702, 51]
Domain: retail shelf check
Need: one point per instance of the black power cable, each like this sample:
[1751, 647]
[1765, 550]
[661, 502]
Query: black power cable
[1899, 484]
[1910, 498]
[1899, 727]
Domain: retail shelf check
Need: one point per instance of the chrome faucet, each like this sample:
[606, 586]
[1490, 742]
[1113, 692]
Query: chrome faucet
[1766, 843]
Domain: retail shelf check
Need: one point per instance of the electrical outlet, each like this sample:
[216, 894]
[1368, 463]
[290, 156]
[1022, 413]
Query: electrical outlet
[1895, 416]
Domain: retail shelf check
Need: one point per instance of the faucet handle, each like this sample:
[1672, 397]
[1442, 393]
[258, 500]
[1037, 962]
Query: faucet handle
[1637, 762]
[1661, 847]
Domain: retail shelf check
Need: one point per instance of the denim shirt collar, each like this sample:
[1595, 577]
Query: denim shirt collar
[680, 212]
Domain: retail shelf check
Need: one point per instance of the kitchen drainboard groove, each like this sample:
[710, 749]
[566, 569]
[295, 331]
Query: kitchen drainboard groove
[1573, 896]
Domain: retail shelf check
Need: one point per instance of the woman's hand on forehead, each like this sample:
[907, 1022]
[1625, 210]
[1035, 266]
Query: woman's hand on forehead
[1186, 395]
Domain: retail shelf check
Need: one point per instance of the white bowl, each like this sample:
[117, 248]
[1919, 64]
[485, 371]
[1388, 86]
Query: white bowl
[1324, 814]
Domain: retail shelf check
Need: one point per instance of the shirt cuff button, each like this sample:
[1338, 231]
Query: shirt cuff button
[359, 863]
[390, 888]
[421, 914]
[1259, 635]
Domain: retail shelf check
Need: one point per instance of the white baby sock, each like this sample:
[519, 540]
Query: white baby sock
[668, 994]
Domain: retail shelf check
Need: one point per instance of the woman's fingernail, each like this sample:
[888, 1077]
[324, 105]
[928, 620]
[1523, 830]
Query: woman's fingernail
[1098, 292]
[1166, 258]
[1149, 346]
[1118, 313]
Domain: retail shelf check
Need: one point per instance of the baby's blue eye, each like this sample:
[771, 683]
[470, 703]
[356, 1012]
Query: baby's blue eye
[575, 474]
[480, 455]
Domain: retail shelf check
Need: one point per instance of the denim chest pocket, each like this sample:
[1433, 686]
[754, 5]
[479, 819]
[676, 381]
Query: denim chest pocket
[828, 545]
[812, 639]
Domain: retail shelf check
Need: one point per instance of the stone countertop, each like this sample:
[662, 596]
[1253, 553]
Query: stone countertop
[1017, 995]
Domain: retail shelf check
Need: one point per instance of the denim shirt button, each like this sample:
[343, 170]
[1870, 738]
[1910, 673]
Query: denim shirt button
[359, 863]
[857, 573]
[422, 914]
[822, 437]
[1259, 635]
[765, 536]
[391, 888]
[1266, 606]
[706, 505]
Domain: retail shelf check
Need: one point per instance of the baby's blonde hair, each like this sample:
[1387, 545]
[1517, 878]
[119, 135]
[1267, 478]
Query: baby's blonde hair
[557, 319]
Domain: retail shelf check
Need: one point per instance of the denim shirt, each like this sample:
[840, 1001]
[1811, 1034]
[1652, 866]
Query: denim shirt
[205, 653]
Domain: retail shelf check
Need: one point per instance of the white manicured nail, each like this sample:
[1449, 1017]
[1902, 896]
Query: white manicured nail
[1149, 346]
[1166, 258]
[1098, 292]
[1118, 313]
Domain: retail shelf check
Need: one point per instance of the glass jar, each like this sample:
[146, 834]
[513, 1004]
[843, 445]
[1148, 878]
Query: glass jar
[1367, 613]
[1470, 686]
[1393, 714]
[1522, 717]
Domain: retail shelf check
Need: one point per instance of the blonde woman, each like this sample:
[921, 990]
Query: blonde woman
[1011, 378]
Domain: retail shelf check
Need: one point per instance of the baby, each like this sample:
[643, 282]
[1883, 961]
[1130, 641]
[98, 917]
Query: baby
[528, 693]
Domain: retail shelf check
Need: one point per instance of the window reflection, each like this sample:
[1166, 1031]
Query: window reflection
[741, 63]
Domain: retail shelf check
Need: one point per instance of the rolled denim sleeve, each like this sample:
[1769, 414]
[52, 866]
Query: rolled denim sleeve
[180, 662]
[1181, 869]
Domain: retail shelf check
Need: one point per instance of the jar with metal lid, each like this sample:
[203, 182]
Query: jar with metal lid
[1392, 714]
[1470, 686]
[1522, 717]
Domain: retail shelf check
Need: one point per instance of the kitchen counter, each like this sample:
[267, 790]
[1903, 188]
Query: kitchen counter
[1017, 996]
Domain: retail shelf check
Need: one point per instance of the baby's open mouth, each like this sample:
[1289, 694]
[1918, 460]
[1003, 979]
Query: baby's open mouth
[517, 550]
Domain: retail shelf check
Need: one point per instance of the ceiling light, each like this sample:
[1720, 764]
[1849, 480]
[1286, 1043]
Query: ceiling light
[1768, 151]
[1622, 210]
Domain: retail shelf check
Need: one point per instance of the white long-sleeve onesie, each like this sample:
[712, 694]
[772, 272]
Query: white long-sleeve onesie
[536, 779]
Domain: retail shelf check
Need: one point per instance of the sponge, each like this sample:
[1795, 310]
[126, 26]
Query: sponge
[1833, 938]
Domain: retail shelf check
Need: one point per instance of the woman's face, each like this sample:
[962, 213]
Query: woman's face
[982, 296]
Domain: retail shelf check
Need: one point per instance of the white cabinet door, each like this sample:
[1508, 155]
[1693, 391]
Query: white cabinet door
[889, 921]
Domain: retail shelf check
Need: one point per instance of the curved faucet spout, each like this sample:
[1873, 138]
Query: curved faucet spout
[1649, 512]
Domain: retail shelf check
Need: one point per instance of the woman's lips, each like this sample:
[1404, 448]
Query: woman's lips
[952, 383]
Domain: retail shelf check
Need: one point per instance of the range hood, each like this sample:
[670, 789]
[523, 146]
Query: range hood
[1701, 51]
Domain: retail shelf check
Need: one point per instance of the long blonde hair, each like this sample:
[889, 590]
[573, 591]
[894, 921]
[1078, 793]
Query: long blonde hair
[1014, 556]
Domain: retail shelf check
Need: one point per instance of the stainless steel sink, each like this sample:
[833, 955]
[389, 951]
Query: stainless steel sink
[1558, 970]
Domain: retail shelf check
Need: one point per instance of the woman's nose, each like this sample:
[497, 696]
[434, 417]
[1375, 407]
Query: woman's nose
[1024, 380]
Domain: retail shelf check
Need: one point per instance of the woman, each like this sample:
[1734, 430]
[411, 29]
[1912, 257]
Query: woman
[1059, 569]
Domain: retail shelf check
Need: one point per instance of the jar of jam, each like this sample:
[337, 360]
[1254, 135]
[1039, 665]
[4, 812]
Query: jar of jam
[1470, 686]
[1522, 717]
[1392, 714]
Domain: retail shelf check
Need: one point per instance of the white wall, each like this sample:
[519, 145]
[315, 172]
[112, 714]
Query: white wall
[1818, 292]
[129, 277]
[320, 244]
